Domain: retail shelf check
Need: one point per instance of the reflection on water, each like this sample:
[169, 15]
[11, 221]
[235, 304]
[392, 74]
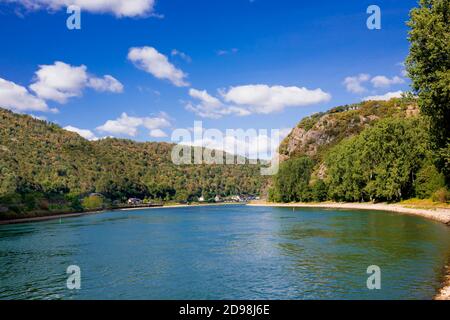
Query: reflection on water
[230, 252]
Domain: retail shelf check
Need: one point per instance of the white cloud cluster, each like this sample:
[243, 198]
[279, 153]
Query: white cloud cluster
[17, 98]
[87, 134]
[383, 81]
[355, 84]
[211, 107]
[61, 81]
[251, 99]
[265, 99]
[120, 8]
[107, 83]
[128, 126]
[385, 97]
[157, 64]
[180, 54]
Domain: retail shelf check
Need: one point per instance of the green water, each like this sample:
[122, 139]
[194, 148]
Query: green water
[226, 252]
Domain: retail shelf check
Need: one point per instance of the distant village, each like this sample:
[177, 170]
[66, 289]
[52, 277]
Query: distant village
[202, 199]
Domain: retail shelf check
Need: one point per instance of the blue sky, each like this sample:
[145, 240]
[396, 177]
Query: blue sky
[304, 56]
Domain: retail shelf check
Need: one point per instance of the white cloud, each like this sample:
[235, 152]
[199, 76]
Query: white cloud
[157, 64]
[42, 118]
[383, 81]
[156, 122]
[385, 97]
[226, 52]
[107, 83]
[157, 133]
[87, 134]
[354, 84]
[19, 99]
[250, 99]
[120, 8]
[264, 99]
[126, 125]
[211, 107]
[61, 81]
[182, 55]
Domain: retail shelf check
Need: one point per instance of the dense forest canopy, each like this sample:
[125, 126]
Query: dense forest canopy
[386, 159]
[428, 66]
[45, 167]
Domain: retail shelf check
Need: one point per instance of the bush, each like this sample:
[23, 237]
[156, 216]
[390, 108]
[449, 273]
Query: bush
[428, 181]
[442, 195]
[92, 203]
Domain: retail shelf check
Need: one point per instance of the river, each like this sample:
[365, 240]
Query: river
[225, 252]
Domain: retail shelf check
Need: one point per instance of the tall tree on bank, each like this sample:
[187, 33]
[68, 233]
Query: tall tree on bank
[428, 67]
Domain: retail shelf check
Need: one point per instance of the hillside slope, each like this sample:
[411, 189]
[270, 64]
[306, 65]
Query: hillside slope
[315, 135]
[371, 151]
[43, 167]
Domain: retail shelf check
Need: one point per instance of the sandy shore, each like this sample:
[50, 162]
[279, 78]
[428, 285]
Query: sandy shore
[441, 215]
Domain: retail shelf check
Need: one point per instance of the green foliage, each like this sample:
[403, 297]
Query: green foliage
[319, 191]
[380, 164]
[428, 65]
[325, 130]
[292, 181]
[428, 181]
[389, 161]
[441, 195]
[40, 161]
[93, 202]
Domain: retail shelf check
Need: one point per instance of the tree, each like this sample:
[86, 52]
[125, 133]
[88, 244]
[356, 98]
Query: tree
[428, 66]
[93, 202]
[292, 181]
[380, 164]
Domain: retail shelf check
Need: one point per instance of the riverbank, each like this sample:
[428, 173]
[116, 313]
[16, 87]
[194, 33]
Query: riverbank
[444, 293]
[80, 214]
[436, 214]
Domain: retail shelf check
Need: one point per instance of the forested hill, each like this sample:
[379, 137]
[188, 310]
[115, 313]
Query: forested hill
[45, 168]
[315, 135]
[371, 151]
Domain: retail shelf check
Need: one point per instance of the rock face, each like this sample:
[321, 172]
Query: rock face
[316, 134]
[324, 133]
